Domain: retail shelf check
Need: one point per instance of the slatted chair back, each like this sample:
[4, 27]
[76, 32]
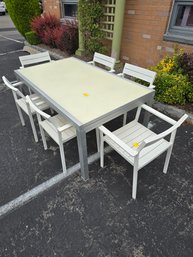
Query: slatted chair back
[105, 60]
[140, 73]
[33, 59]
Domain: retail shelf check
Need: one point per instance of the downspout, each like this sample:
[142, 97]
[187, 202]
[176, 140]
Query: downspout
[81, 50]
[118, 27]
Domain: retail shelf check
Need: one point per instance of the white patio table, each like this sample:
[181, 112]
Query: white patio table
[86, 95]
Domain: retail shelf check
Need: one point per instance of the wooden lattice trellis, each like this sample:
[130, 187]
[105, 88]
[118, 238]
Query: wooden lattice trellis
[109, 18]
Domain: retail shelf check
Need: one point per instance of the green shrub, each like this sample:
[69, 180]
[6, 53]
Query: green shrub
[173, 85]
[170, 64]
[32, 38]
[90, 14]
[22, 12]
[186, 62]
[172, 88]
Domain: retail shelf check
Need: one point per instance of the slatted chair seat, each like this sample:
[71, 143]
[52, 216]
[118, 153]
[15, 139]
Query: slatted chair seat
[56, 127]
[37, 100]
[59, 121]
[138, 144]
[106, 61]
[135, 132]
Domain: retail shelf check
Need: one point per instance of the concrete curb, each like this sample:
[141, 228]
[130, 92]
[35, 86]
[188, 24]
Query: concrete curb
[32, 49]
[172, 111]
[165, 108]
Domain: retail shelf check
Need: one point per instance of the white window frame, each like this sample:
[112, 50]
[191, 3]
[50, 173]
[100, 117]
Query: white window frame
[72, 2]
[178, 33]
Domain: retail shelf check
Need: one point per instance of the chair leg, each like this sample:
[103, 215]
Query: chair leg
[33, 127]
[20, 115]
[61, 146]
[135, 178]
[167, 160]
[30, 92]
[101, 151]
[98, 139]
[43, 137]
[124, 119]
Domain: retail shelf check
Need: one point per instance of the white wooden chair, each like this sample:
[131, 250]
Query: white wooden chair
[138, 144]
[20, 102]
[105, 60]
[56, 127]
[139, 73]
[34, 59]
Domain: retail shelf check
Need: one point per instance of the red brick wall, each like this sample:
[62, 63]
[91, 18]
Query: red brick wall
[53, 7]
[145, 23]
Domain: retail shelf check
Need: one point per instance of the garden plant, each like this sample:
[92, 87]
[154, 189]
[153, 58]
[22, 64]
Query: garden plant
[90, 14]
[174, 80]
[22, 12]
[51, 32]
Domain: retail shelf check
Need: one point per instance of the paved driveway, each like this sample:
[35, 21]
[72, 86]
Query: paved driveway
[96, 218]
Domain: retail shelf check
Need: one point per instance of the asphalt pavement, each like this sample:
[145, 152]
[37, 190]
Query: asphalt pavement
[96, 218]
[6, 23]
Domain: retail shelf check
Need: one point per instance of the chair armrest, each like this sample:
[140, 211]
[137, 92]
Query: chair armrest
[158, 114]
[166, 132]
[13, 82]
[124, 146]
[111, 71]
[17, 84]
[67, 126]
[151, 86]
[120, 74]
[91, 62]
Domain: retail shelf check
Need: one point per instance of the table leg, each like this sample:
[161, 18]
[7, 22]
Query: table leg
[83, 156]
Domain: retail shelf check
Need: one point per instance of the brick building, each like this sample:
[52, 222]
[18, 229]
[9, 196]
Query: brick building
[143, 31]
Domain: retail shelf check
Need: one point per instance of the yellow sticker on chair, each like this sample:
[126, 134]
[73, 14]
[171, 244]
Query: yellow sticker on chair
[135, 144]
[85, 94]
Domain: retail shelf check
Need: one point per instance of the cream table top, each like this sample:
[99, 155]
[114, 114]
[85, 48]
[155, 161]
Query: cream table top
[83, 91]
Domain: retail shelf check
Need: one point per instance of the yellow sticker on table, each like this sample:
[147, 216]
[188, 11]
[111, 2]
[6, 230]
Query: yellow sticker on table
[135, 144]
[85, 94]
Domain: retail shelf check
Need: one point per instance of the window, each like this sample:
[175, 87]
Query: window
[69, 8]
[180, 28]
